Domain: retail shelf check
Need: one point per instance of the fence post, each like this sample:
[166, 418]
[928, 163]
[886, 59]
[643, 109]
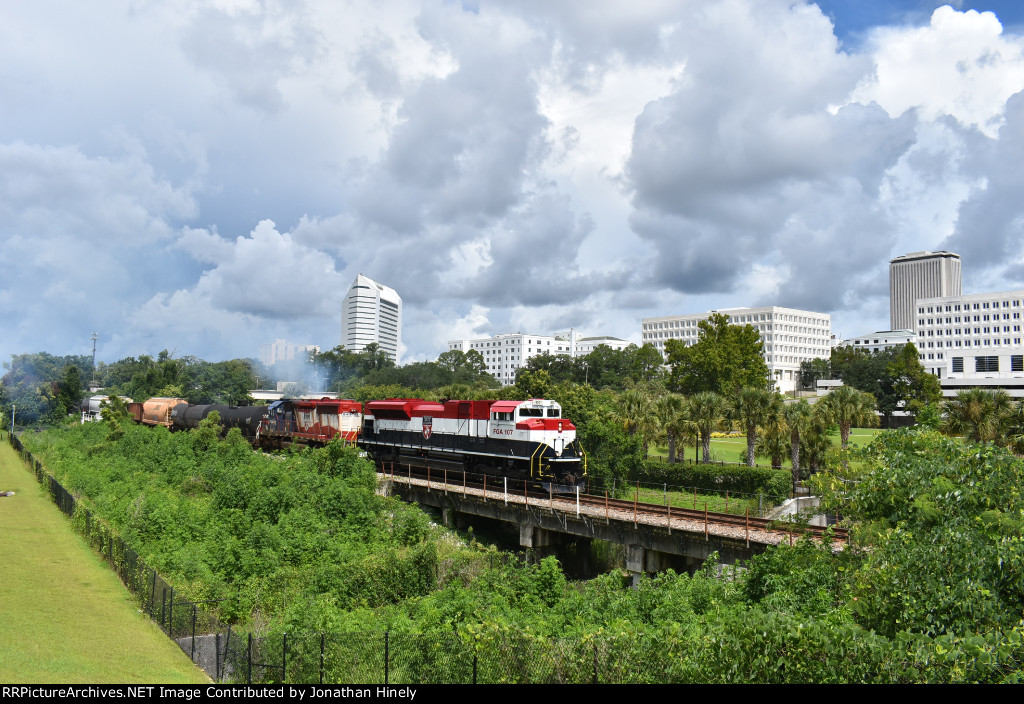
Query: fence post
[284, 658]
[248, 661]
[170, 616]
[193, 631]
[595, 663]
[323, 637]
[216, 654]
[387, 654]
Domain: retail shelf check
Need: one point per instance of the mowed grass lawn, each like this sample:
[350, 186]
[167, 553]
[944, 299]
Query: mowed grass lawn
[65, 617]
[734, 448]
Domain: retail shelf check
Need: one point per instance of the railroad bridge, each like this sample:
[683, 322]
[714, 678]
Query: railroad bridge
[653, 543]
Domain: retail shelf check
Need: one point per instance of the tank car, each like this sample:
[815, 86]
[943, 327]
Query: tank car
[516, 439]
[283, 423]
[155, 411]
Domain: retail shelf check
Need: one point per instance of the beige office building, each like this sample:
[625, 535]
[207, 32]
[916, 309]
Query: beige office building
[920, 275]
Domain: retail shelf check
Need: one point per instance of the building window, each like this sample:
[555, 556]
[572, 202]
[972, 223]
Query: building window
[958, 364]
[986, 364]
[1017, 363]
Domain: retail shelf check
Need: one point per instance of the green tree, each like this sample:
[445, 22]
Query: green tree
[725, 359]
[811, 370]
[773, 440]
[670, 410]
[706, 410]
[847, 407]
[894, 376]
[638, 413]
[913, 387]
[755, 408]
[980, 415]
[799, 417]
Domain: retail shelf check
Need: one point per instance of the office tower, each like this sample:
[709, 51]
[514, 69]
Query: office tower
[920, 275]
[372, 312]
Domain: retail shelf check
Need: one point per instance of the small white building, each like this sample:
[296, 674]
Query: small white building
[881, 340]
[586, 345]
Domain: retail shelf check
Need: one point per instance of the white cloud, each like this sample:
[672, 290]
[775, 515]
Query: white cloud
[961, 64]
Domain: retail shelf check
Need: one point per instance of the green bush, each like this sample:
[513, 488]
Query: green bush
[773, 483]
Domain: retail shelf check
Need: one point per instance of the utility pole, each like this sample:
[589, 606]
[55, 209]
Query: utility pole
[92, 382]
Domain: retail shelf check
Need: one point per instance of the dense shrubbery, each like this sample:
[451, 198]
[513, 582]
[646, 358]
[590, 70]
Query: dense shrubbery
[773, 483]
[307, 546]
[224, 521]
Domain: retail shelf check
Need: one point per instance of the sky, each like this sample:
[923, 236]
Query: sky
[204, 177]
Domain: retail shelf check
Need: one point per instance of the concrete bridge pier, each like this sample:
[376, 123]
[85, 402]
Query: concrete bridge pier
[640, 560]
[531, 536]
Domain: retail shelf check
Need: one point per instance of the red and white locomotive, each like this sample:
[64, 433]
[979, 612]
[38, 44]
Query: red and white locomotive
[516, 439]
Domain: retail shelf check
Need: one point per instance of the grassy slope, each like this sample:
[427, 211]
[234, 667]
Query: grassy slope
[64, 615]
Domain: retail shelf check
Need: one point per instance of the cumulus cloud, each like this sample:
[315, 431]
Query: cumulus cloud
[959, 65]
[530, 166]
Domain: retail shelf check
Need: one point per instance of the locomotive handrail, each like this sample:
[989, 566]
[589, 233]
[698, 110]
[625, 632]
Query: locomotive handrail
[540, 449]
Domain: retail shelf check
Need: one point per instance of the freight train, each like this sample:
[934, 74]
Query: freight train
[514, 439]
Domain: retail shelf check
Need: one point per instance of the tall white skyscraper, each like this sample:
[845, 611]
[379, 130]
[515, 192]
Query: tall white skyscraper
[372, 312]
[920, 275]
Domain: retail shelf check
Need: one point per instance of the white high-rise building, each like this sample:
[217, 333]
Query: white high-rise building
[790, 336]
[920, 275]
[372, 312]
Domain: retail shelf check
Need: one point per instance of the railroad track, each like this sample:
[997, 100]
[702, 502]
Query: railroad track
[453, 480]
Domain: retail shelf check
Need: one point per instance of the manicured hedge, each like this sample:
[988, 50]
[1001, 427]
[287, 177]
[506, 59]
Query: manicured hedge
[773, 483]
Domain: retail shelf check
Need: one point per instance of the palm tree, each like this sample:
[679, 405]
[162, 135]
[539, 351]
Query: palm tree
[846, 407]
[815, 444]
[979, 414]
[773, 440]
[798, 418]
[706, 410]
[753, 408]
[638, 413]
[671, 413]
